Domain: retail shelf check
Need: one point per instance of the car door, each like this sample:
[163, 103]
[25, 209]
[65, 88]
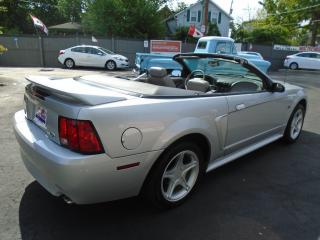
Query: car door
[96, 58]
[314, 61]
[254, 115]
[304, 60]
[80, 56]
[317, 62]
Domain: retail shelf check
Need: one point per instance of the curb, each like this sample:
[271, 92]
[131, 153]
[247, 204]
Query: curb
[298, 71]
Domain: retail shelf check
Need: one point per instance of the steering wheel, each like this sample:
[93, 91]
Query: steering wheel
[205, 77]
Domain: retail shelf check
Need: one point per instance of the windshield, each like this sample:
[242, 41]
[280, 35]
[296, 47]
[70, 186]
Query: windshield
[218, 66]
[106, 51]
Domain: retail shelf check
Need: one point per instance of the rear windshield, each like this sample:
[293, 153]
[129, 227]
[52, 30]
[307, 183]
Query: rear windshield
[202, 45]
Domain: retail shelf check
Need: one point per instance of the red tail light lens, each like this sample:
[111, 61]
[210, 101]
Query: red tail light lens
[61, 52]
[79, 136]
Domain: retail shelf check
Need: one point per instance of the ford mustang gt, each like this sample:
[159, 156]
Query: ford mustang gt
[101, 138]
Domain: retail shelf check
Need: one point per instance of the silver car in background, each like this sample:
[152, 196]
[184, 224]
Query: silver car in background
[98, 138]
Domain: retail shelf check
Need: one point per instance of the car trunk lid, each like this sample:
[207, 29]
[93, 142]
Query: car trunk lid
[48, 98]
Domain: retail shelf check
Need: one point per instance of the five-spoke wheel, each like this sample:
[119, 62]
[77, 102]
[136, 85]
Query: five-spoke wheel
[180, 175]
[295, 124]
[175, 175]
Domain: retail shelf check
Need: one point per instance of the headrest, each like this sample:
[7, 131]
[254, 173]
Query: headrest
[157, 72]
[198, 84]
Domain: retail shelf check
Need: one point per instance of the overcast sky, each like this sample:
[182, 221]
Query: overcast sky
[241, 8]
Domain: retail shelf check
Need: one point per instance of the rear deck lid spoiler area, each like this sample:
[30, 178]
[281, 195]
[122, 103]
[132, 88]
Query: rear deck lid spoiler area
[77, 91]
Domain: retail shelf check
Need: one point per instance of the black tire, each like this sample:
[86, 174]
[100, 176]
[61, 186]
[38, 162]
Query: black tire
[154, 187]
[111, 65]
[294, 66]
[288, 136]
[69, 63]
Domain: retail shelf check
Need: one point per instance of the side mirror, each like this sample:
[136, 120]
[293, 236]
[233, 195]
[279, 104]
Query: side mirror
[176, 73]
[277, 87]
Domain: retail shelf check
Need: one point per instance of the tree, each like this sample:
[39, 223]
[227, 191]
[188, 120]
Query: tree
[134, 18]
[213, 29]
[180, 7]
[290, 14]
[72, 9]
[15, 18]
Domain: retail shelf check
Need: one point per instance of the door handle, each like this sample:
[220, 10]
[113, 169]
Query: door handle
[240, 106]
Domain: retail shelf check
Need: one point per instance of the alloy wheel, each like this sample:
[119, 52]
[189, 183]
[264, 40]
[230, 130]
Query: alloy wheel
[180, 176]
[296, 124]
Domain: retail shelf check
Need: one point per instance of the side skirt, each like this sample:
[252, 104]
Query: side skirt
[226, 159]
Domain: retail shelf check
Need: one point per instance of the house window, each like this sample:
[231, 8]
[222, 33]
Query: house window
[188, 15]
[219, 18]
[209, 16]
[199, 16]
[193, 16]
[214, 20]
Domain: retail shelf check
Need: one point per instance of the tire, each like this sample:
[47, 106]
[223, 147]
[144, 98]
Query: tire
[175, 176]
[111, 65]
[294, 66]
[69, 63]
[295, 124]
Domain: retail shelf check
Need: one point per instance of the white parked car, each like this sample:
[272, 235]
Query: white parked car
[92, 56]
[305, 60]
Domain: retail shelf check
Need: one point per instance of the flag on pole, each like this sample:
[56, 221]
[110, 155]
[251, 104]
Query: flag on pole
[38, 24]
[93, 39]
[194, 32]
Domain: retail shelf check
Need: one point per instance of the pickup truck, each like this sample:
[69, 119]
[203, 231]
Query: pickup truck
[209, 44]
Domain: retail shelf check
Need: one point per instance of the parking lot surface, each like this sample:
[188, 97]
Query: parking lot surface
[273, 193]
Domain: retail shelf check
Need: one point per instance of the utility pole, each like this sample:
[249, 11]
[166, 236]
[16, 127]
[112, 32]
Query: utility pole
[205, 15]
[231, 9]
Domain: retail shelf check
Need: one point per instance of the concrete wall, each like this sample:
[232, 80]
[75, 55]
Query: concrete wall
[25, 51]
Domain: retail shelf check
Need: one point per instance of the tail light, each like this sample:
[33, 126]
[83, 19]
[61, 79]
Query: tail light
[61, 52]
[79, 136]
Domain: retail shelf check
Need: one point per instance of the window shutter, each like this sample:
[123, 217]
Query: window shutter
[199, 16]
[188, 15]
[209, 16]
[219, 18]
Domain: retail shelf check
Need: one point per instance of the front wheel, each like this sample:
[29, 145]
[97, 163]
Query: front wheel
[295, 124]
[111, 65]
[175, 175]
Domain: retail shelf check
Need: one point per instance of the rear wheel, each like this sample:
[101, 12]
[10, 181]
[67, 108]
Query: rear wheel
[294, 66]
[176, 175]
[295, 124]
[111, 65]
[69, 63]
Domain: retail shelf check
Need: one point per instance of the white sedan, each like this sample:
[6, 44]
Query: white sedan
[92, 56]
[304, 60]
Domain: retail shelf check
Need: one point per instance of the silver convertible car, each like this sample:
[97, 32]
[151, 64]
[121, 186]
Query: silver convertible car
[101, 138]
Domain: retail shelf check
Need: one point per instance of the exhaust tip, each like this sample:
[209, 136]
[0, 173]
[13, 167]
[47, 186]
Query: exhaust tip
[67, 200]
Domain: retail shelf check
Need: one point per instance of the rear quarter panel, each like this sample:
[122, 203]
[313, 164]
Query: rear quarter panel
[161, 122]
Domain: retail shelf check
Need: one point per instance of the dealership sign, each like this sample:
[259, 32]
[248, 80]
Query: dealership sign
[165, 46]
[296, 48]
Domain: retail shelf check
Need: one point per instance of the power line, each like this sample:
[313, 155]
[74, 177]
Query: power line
[297, 10]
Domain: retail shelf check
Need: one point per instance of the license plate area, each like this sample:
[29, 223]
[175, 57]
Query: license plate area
[40, 116]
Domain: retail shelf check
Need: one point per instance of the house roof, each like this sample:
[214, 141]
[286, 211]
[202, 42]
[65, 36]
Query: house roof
[199, 1]
[67, 26]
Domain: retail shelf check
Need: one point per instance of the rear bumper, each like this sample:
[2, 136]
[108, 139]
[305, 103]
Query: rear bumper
[84, 179]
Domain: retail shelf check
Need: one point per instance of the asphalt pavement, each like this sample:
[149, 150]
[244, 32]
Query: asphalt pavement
[273, 193]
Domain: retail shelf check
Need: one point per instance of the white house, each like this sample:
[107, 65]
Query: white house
[193, 15]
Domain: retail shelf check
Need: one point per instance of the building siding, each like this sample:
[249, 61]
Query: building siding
[184, 19]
